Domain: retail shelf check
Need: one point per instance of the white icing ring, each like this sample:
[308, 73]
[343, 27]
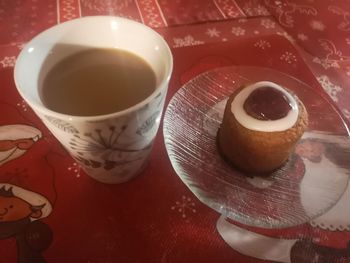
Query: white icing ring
[251, 123]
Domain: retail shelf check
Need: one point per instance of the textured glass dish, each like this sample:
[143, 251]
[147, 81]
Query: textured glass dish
[308, 185]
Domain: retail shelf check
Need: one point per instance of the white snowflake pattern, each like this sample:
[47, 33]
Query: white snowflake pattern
[344, 25]
[253, 8]
[289, 57]
[242, 20]
[263, 44]
[106, 6]
[286, 10]
[186, 41]
[19, 45]
[347, 71]
[287, 36]
[267, 23]
[261, 10]
[331, 89]
[326, 63]
[23, 105]
[75, 169]
[8, 62]
[303, 37]
[317, 25]
[238, 31]
[346, 113]
[347, 40]
[185, 205]
[213, 32]
[332, 57]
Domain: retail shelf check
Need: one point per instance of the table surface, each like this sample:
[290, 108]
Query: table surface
[155, 217]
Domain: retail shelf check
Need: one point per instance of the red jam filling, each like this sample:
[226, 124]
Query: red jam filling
[267, 103]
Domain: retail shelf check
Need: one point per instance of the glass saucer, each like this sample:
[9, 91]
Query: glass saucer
[310, 183]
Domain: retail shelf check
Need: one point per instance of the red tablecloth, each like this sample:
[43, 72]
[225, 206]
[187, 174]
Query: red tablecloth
[155, 218]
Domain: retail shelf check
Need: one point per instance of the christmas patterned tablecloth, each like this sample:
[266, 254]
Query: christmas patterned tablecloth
[50, 211]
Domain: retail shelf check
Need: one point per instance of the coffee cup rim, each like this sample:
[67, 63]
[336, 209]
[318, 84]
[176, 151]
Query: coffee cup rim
[43, 109]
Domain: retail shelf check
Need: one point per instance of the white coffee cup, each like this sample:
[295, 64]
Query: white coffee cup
[111, 148]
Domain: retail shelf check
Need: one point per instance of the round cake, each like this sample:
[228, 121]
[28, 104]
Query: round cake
[262, 123]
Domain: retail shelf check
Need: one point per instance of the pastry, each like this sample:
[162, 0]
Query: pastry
[261, 124]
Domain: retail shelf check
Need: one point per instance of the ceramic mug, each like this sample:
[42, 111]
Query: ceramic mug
[111, 148]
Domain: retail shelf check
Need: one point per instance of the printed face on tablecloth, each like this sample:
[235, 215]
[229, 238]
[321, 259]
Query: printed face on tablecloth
[14, 208]
[16, 140]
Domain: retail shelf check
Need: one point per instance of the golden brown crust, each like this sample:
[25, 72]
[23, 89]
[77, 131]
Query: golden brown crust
[256, 151]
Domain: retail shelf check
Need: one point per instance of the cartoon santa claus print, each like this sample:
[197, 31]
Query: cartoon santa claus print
[16, 140]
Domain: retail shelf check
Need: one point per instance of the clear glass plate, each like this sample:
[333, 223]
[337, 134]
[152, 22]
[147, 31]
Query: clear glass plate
[309, 184]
